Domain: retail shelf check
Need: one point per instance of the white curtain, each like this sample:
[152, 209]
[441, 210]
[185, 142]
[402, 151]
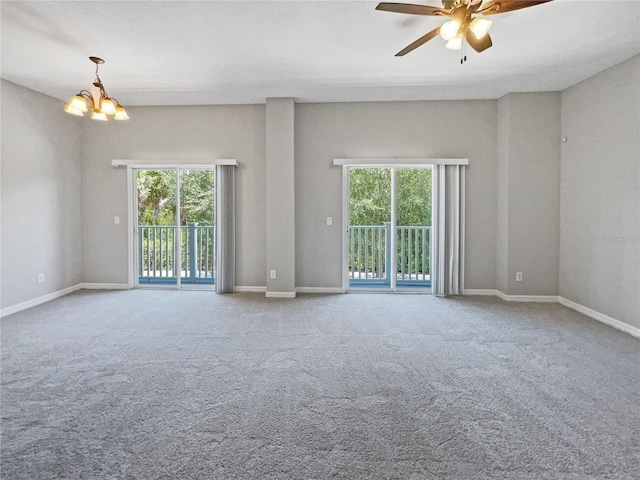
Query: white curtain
[225, 228]
[447, 274]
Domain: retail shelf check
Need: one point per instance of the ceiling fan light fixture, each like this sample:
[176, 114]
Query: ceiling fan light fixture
[449, 30]
[466, 17]
[480, 27]
[455, 43]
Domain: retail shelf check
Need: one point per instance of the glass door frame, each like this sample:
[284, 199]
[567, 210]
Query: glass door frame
[132, 196]
[135, 260]
[393, 165]
[391, 285]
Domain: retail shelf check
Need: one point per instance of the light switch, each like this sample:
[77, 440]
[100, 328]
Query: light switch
[329, 221]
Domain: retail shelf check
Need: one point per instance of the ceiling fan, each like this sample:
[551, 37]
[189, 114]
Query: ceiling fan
[466, 20]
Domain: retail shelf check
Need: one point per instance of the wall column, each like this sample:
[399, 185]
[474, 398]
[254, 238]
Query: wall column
[528, 238]
[280, 198]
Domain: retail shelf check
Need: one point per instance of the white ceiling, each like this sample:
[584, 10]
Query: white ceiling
[221, 52]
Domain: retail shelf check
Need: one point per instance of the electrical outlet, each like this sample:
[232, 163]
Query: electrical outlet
[329, 220]
[518, 276]
[40, 277]
[116, 220]
[273, 274]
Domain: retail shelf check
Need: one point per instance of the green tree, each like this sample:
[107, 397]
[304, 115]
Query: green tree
[157, 197]
[197, 197]
[370, 196]
[413, 196]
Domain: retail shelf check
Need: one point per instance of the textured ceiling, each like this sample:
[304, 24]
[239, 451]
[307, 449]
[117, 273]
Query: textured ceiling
[220, 52]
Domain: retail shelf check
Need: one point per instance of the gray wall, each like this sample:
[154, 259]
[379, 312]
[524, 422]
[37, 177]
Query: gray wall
[235, 131]
[458, 129]
[529, 193]
[600, 193]
[40, 196]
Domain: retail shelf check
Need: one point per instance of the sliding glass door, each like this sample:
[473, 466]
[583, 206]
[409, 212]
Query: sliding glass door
[156, 227]
[389, 231]
[175, 227]
[369, 230]
[197, 226]
[413, 228]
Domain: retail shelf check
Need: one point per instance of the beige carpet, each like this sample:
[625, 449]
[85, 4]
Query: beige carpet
[190, 385]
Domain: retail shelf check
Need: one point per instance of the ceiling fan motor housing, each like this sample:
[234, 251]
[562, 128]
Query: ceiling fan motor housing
[449, 4]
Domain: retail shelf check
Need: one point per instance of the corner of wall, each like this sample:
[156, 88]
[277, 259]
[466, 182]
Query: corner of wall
[599, 264]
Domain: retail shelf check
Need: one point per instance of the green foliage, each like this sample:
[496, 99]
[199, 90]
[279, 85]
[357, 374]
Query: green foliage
[157, 197]
[370, 196]
[413, 196]
[197, 197]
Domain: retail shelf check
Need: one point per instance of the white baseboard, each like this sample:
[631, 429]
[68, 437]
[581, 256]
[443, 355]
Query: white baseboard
[480, 291]
[319, 290]
[280, 294]
[527, 298]
[61, 293]
[512, 298]
[250, 289]
[105, 286]
[240, 289]
[38, 301]
[601, 317]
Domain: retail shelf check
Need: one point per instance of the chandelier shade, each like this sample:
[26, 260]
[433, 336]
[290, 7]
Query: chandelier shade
[96, 100]
[121, 113]
[99, 116]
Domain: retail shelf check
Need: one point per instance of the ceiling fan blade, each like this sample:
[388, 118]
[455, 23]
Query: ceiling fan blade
[411, 9]
[478, 45]
[421, 41]
[501, 6]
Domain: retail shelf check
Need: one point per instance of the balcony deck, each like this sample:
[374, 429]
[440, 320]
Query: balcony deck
[370, 256]
[157, 254]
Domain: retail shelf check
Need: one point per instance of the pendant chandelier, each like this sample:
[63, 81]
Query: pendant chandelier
[96, 100]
